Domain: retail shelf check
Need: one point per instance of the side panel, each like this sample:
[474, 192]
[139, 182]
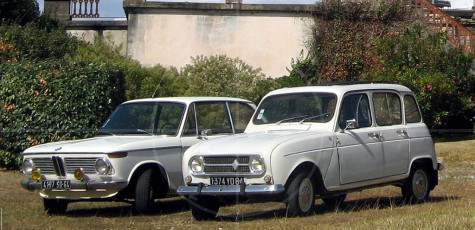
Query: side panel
[396, 149]
[360, 152]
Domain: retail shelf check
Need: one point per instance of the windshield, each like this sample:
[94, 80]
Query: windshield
[298, 107]
[145, 118]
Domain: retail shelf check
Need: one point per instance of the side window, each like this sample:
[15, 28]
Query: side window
[169, 118]
[214, 116]
[413, 115]
[241, 113]
[387, 108]
[355, 107]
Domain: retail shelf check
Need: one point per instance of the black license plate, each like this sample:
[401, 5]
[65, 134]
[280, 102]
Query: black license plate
[56, 184]
[226, 180]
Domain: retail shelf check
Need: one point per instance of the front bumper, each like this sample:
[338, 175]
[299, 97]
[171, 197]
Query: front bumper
[243, 189]
[87, 185]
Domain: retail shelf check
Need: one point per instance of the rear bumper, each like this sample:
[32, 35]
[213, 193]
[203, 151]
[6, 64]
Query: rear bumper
[201, 189]
[88, 185]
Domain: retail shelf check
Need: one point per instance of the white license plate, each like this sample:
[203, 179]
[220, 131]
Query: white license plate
[56, 184]
[226, 180]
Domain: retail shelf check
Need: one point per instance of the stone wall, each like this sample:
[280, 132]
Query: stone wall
[265, 36]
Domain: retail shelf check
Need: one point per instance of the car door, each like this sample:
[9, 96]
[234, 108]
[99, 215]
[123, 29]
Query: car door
[359, 147]
[393, 132]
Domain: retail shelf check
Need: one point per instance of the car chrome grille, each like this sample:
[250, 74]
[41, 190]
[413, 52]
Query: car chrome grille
[227, 165]
[60, 166]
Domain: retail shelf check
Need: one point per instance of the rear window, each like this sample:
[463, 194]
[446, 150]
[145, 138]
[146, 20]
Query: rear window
[413, 115]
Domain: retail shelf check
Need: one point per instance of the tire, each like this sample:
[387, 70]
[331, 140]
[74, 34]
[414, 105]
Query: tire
[334, 202]
[145, 193]
[204, 207]
[300, 195]
[55, 206]
[417, 187]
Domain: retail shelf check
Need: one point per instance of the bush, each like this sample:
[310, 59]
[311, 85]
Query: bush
[34, 43]
[222, 76]
[52, 101]
[438, 75]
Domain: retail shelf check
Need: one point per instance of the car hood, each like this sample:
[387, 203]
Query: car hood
[250, 143]
[106, 144]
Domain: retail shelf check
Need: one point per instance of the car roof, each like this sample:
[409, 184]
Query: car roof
[187, 100]
[341, 89]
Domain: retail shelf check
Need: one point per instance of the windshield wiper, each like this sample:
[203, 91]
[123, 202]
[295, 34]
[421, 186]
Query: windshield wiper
[144, 131]
[291, 118]
[313, 117]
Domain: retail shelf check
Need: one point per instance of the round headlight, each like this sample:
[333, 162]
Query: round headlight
[28, 166]
[103, 166]
[256, 164]
[197, 165]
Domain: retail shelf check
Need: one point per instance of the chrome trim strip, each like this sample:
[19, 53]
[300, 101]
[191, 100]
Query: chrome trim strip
[230, 190]
[89, 185]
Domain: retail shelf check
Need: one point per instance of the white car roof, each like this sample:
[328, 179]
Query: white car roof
[187, 100]
[341, 89]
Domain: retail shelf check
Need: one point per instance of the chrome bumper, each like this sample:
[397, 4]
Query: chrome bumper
[88, 185]
[202, 189]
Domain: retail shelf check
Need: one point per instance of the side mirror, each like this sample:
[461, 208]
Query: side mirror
[350, 124]
[204, 133]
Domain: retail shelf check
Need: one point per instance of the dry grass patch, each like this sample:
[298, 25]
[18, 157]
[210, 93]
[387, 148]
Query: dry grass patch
[452, 206]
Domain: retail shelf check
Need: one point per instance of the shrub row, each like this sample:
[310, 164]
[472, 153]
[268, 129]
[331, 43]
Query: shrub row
[52, 101]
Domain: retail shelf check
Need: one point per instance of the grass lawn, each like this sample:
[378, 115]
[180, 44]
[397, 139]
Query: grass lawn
[452, 206]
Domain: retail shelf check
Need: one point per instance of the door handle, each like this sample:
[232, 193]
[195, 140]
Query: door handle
[375, 135]
[402, 132]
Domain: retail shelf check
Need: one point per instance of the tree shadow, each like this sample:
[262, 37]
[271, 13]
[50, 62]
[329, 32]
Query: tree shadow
[162, 207]
[347, 206]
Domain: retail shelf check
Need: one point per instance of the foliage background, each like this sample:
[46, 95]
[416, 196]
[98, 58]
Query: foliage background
[55, 87]
[384, 41]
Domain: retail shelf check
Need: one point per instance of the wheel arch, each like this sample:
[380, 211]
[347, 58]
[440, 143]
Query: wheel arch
[427, 163]
[160, 176]
[315, 173]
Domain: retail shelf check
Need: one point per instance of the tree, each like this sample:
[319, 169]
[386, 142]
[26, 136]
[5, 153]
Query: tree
[19, 11]
[222, 76]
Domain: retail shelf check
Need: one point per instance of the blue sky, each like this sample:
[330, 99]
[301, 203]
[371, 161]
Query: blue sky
[114, 8]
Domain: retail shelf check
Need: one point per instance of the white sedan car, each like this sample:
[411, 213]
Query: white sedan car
[136, 154]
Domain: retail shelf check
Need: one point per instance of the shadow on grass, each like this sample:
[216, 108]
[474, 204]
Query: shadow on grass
[162, 207]
[379, 203]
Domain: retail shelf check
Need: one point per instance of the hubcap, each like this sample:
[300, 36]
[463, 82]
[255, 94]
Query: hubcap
[305, 195]
[419, 184]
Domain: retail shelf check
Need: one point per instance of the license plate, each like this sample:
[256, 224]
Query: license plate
[226, 180]
[56, 184]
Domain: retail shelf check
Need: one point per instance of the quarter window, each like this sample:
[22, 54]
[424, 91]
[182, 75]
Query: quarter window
[387, 108]
[413, 115]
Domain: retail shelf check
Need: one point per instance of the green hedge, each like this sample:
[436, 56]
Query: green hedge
[53, 100]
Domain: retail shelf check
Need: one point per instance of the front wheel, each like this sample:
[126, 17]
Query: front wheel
[55, 206]
[144, 193]
[416, 189]
[204, 207]
[300, 195]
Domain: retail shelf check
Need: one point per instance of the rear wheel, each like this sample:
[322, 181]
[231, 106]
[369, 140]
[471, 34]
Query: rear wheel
[300, 195]
[145, 193]
[334, 202]
[416, 189]
[55, 206]
[204, 207]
